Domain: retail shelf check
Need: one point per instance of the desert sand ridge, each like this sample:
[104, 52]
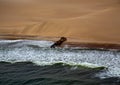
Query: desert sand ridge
[83, 20]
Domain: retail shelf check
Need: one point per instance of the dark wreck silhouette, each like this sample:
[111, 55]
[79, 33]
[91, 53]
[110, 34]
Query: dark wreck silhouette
[59, 42]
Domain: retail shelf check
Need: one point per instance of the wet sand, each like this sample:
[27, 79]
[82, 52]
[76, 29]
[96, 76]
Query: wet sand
[71, 42]
[81, 21]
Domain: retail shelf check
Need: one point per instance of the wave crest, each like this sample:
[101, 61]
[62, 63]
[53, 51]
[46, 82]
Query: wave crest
[39, 52]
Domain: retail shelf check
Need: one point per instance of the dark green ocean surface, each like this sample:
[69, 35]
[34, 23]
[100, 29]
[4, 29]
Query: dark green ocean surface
[26, 73]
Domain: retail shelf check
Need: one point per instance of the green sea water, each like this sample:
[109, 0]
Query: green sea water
[28, 62]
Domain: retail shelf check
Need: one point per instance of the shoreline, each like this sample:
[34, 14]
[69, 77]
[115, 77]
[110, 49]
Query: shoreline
[69, 43]
[85, 23]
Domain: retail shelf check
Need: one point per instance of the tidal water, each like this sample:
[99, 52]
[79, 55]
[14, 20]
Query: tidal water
[31, 62]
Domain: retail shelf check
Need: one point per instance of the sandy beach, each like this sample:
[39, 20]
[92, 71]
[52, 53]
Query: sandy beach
[59, 42]
[89, 21]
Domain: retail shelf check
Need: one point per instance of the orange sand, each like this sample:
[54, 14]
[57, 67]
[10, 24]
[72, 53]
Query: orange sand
[83, 20]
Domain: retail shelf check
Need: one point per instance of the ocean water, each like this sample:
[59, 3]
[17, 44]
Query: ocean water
[32, 62]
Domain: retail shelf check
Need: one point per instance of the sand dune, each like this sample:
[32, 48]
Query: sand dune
[84, 20]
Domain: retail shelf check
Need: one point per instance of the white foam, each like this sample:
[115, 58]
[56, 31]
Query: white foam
[47, 56]
[28, 42]
[9, 41]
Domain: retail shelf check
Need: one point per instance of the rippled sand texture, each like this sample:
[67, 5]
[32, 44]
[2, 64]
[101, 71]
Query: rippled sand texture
[85, 20]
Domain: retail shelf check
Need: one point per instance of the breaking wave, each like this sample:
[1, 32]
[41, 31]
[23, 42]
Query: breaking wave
[40, 53]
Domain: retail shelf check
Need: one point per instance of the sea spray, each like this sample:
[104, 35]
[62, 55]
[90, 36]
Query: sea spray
[40, 53]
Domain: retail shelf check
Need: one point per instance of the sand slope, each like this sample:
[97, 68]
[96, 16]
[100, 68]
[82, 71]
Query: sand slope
[85, 20]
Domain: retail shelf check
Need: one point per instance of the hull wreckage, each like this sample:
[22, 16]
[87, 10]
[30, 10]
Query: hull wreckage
[59, 42]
